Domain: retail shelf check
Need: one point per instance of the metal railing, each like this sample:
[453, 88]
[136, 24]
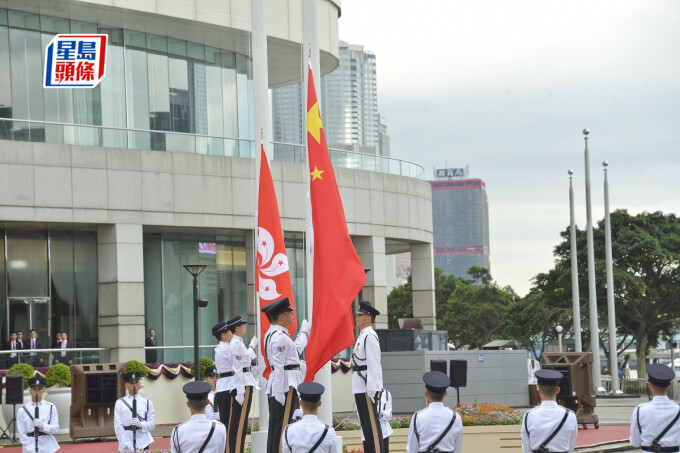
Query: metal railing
[48, 357]
[118, 137]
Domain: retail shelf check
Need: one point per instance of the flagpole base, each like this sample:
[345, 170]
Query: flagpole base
[258, 441]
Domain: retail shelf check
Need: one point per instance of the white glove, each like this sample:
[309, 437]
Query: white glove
[297, 415]
[38, 423]
[136, 422]
[28, 449]
[239, 398]
[253, 343]
[281, 398]
[305, 326]
[127, 447]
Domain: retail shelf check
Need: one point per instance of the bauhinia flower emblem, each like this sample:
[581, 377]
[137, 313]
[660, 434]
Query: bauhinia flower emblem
[269, 265]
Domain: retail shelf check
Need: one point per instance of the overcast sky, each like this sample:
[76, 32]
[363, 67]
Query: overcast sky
[507, 86]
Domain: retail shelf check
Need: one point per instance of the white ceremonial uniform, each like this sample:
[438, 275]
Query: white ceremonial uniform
[653, 418]
[122, 416]
[367, 353]
[190, 435]
[282, 351]
[223, 364]
[540, 422]
[210, 412]
[302, 435]
[242, 357]
[47, 412]
[385, 415]
[430, 423]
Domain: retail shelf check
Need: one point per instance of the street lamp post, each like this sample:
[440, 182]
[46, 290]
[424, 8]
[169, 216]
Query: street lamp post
[592, 296]
[194, 270]
[559, 337]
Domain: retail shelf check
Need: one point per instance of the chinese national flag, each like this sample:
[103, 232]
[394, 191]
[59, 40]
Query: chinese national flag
[272, 278]
[338, 272]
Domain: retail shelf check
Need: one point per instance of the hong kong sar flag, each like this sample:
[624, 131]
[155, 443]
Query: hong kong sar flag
[272, 277]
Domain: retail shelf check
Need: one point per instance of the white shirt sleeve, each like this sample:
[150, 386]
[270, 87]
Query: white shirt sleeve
[635, 429]
[412, 446]
[374, 380]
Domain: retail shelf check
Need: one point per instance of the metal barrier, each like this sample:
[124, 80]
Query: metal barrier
[68, 356]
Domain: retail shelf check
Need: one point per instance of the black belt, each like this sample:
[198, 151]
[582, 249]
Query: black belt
[227, 374]
[32, 434]
[289, 367]
[660, 449]
[360, 367]
[131, 428]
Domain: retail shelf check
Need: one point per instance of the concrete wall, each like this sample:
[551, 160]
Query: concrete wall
[501, 377]
[70, 184]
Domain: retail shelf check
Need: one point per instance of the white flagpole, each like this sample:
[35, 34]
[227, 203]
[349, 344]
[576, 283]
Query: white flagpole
[258, 11]
[310, 34]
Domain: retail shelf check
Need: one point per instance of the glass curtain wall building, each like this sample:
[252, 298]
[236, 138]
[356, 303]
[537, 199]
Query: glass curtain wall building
[106, 192]
[159, 93]
[460, 221]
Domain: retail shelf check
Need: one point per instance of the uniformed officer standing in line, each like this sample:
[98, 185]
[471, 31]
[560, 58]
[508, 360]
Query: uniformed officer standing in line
[283, 356]
[198, 434]
[549, 425]
[124, 423]
[46, 422]
[309, 434]
[437, 427]
[224, 366]
[243, 383]
[211, 412]
[367, 381]
[656, 423]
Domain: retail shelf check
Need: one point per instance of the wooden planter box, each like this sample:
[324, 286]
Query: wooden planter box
[476, 439]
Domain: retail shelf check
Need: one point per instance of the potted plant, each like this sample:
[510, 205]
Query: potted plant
[25, 370]
[58, 392]
[136, 365]
[203, 363]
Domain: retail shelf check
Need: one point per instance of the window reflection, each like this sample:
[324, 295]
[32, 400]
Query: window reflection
[154, 85]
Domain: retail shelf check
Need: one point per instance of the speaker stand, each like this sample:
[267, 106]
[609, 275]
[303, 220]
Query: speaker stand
[458, 394]
[13, 423]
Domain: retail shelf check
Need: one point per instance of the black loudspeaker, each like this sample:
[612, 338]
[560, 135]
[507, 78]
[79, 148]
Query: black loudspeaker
[458, 373]
[14, 389]
[438, 365]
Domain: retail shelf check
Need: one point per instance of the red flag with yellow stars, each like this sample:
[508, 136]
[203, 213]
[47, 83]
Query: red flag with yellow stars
[338, 272]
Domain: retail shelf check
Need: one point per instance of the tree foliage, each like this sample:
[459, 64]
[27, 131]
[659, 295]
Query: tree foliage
[646, 270]
[474, 312]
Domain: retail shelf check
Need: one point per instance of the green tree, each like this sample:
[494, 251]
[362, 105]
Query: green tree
[476, 311]
[646, 269]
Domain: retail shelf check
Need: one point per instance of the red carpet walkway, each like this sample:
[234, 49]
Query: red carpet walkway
[586, 438]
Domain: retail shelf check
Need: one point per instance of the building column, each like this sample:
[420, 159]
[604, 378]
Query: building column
[120, 263]
[252, 307]
[371, 251]
[422, 276]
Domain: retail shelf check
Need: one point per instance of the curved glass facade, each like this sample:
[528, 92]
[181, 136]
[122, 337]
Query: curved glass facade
[154, 95]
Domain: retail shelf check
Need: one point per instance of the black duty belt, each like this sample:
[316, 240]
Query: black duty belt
[289, 367]
[32, 434]
[227, 374]
[660, 449]
[131, 428]
[246, 369]
[360, 367]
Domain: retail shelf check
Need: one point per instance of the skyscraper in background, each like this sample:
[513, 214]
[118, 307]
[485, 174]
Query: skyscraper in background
[349, 106]
[460, 222]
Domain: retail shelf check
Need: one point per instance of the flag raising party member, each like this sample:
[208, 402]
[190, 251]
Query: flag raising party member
[338, 272]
